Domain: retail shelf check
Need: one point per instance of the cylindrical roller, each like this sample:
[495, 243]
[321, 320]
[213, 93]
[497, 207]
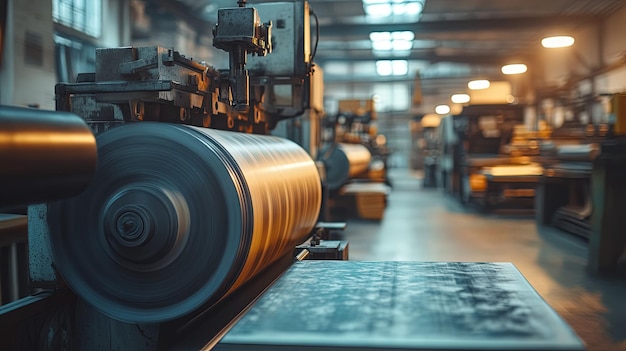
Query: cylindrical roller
[179, 216]
[44, 155]
[344, 162]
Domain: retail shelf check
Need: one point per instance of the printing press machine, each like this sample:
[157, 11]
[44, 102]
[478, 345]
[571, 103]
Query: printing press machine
[488, 158]
[162, 218]
[355, 156]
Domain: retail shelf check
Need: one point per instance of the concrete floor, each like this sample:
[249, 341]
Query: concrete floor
[426, 225]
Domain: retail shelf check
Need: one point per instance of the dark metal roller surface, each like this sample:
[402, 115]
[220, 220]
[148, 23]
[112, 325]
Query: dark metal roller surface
[345, 162]
[44, 155]
[178, 216]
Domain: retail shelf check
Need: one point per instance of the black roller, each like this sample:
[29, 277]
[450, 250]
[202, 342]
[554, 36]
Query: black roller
[344, 162]
[44, 155]
[178, 216]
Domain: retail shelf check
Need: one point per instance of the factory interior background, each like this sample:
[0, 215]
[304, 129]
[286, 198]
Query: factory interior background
[528, 168]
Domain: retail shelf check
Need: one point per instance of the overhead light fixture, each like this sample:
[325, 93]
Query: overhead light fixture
[387, 8]
[401, 41]
[460, 98]
[442, 109]
[514, 68]
[560, 41]
[382, 45]
[478, 84]
[380, 36]
[392, 67]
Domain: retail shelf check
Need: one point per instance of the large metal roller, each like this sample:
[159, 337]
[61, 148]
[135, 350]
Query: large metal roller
[178, 216]
[44, 155]
[344, 162]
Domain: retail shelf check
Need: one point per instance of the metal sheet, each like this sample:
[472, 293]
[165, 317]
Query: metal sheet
[344, 305]
[44, 155]
[179, 216]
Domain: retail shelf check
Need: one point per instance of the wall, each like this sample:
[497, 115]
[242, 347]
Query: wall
[597, 46]
[28, 80]
[115, 24]
[614, 29]
[393, 101]
[161, 28]
[614, 52]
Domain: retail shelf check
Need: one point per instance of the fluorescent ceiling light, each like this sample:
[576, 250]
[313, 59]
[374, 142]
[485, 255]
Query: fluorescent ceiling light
[398, 9]
[405, 35]
[378, 10]
[442, 109]
[478, 84]
[413, 8]
[380, 36]
[382, 45]
[515, 68]
[401, 45]
[400, 67]
[557, 41]
[383, 68]
[401, 41]
[392, 67]
[460, 98]
[386, 8]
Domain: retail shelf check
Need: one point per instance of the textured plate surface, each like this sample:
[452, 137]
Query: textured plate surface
[331, 305]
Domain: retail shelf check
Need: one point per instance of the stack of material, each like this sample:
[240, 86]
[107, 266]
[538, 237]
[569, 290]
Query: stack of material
[370, 198]
[514, 171]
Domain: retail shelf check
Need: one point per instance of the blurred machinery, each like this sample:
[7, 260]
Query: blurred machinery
[564, 192]
[487, 157]
[564, 198]
[425, 146]
[582, 187]
[355, 156]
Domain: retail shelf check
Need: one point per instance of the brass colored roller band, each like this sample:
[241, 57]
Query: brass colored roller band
[359, 157]
[285, 191]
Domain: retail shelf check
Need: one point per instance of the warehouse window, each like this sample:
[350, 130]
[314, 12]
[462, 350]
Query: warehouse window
[73, 57]
[391, 96]
[82, 15]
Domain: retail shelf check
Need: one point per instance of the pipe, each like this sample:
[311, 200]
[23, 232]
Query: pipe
[44, 155]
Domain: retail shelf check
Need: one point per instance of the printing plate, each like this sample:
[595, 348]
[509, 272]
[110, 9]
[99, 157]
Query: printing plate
[348, 305]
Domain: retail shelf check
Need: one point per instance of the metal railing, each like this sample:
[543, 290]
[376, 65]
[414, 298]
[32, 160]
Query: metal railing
[13, 258]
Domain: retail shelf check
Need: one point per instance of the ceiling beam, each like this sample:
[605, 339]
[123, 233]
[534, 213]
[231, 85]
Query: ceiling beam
[429, 56]
[483, 24]
[441, 81]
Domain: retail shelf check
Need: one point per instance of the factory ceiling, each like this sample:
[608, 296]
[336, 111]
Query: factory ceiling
[451, 39]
